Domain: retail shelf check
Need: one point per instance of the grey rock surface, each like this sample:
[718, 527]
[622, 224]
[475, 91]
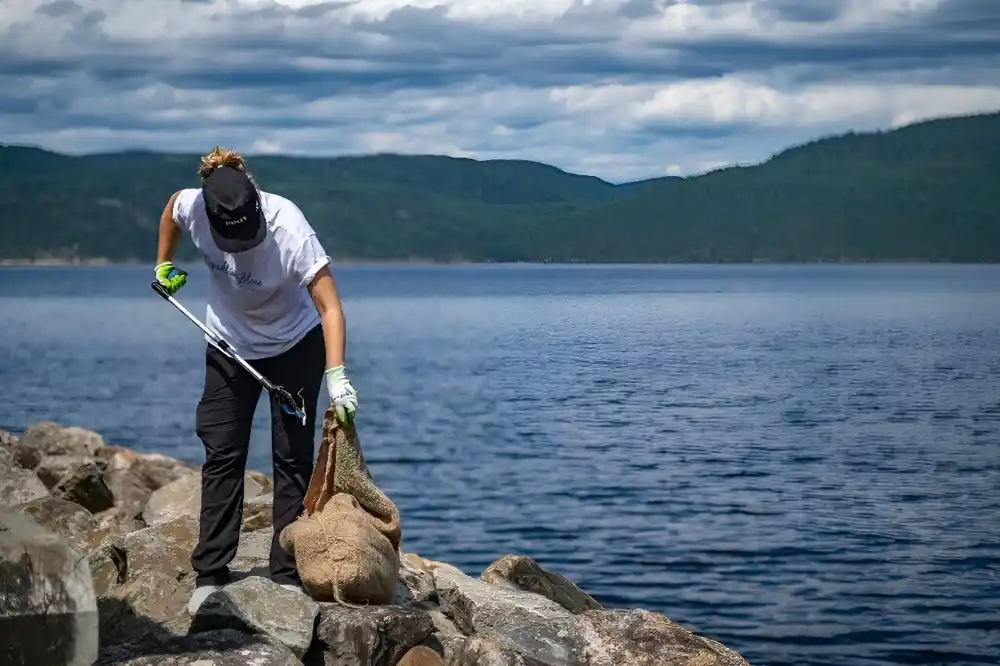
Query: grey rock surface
[182, 497]
[84, 485]
[17, 484]
[526, 574]
[217, 648]
[47, 438]
[369, 636]
[48, 610]
[528, 623]
[257, 605]
[65, 518]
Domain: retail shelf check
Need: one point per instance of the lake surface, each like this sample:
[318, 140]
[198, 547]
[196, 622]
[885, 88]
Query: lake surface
[803, 462]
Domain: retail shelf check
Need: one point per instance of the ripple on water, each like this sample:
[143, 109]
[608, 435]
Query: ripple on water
[799, 461]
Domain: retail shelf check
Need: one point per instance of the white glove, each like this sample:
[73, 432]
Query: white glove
[343, 397]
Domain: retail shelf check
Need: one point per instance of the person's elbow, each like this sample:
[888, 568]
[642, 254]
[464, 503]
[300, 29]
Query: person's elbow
[324, 295]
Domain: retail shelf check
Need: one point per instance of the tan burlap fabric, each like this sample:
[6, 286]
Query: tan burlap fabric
[421, 656]
[346, 542]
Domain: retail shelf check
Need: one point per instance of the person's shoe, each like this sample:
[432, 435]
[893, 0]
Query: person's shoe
[293, 588]
[201, 593]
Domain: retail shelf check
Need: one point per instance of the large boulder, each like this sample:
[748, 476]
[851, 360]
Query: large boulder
[526, 574]
[164, 547]
[182, 497]
[18, 485]
[226, 647]
[48, 611]
[109, 525]
[369, 636]
[415, 580]
[51, 439]
[84, 484]
[258, 513]
[508, 625]
[7, 439]
[144, 579]
[65, 518]
[642, 638]
[53, 469]
[529, 624]
[145, 603]
[134, 477]
[256, 605]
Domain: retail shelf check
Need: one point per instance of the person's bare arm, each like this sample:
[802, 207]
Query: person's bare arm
[169, 234]
[324, 294]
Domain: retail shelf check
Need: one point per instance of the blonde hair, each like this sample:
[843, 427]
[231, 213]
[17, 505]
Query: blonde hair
[220, 157]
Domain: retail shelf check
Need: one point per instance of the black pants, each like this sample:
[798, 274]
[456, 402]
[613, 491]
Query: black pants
[224, 417]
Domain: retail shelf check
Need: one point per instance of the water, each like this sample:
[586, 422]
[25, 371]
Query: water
[803, 462]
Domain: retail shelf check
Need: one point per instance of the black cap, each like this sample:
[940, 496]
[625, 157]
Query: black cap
[234, 212]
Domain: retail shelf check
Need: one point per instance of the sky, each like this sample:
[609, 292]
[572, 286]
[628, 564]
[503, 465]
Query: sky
[621, 89]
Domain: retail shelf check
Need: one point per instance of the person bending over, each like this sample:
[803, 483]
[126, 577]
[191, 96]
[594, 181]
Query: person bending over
[272, 298]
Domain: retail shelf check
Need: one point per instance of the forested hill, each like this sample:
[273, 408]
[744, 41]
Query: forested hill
[925, 192]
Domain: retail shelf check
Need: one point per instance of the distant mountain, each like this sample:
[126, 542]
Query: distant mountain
[923, 192]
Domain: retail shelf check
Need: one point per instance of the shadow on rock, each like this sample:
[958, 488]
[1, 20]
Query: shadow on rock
[225, 647]
[119, 618]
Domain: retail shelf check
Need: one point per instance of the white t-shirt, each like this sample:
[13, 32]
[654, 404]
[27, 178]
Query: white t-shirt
[257, 300]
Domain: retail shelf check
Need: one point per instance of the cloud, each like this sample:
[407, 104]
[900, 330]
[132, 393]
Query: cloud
[621, 89]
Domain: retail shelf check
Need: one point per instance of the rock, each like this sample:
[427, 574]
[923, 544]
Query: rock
[216, 648]
[183, 497]
[253, 554]
[494, 650]
[416, 582]
[120, 516]
[526, 574]
[512, 626]
[257, 605]
[51, 439]
[144, 580]
[20, 456]
[20, 486]
[147, 602]
[156, 470]
[530, 622]
[262, 480]
[53, 469]
[48, 611]
[85, 486]
[134, 477]
[447, 637]
[165, 547]
[63, 517]
[258, 513]
[7, 439]
[643, 638]
[109, 568]
[109, 524]
[369, 636]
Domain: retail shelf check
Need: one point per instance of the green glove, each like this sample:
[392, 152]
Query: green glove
[171, 277]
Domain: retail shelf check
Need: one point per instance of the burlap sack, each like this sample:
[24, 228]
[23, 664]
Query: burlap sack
[346, 542]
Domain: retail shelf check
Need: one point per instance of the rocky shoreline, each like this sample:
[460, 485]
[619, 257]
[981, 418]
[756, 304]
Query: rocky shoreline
[68, 498]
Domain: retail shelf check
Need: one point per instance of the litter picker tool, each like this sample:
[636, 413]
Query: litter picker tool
[285, 400]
